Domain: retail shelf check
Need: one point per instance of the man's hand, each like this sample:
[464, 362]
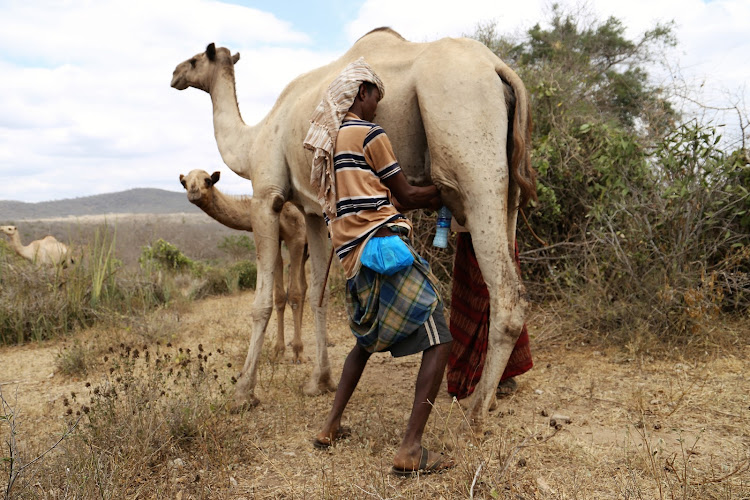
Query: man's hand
[408, 197]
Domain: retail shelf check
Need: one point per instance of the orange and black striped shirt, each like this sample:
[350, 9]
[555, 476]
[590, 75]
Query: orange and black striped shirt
[362, 159]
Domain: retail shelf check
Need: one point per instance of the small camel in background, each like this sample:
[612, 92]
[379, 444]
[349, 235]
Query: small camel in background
[47, 251]
[234, 212]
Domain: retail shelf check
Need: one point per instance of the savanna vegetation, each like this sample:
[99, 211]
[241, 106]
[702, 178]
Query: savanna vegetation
[635, 256]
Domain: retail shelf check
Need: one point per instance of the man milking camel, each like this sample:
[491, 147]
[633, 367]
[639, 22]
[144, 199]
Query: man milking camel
[392, 301]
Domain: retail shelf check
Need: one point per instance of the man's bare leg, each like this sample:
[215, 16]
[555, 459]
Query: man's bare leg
[429, 379]
[353, 367]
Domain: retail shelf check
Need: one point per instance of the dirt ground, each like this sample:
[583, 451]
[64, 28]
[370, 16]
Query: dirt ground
[638, 427]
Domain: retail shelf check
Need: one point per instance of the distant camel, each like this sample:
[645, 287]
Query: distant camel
[47, 251]
[235, 212]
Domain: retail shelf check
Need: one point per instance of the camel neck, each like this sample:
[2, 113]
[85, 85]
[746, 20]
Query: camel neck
[15, 243]
[233, 136]
[232, 211]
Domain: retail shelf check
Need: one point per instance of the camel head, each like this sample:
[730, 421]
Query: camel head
[202, 69]
[199, 185]
[9, 230]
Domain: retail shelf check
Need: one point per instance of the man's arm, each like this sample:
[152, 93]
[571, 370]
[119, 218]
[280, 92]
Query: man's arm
[410, 197]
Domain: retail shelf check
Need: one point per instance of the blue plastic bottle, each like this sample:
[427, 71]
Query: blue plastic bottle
[443, 228]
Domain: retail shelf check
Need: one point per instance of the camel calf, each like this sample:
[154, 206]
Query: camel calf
[235, 212]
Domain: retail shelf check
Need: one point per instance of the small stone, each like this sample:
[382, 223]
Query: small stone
[522, 462]
[232, 482]
[544, 487]
[560, 418]
[544, 413]
[539, 392]
[178, 462]
[657, 426]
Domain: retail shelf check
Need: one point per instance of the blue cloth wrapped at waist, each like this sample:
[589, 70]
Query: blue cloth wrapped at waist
[384, 310]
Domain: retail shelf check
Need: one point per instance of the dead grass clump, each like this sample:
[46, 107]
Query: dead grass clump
[154, 405]
[73, 360]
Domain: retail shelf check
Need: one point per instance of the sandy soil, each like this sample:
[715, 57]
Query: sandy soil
[639, 428]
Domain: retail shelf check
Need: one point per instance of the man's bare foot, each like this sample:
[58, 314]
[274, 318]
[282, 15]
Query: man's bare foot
[326, 438]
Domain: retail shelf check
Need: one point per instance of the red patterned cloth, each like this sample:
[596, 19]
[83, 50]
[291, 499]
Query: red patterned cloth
[469, 325]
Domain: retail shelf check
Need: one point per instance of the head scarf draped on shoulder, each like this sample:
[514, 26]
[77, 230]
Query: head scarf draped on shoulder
[324, 128]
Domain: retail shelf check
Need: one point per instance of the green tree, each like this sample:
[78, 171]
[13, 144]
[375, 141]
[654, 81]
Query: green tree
[642, 210]
[595, 112]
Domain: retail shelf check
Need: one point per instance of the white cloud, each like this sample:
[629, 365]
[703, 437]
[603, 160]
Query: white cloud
[86, 106]
[85, 91]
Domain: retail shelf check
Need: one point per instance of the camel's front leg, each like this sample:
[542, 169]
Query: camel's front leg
[317, 240]
[279, 300]
[297, 291]
[266, 224]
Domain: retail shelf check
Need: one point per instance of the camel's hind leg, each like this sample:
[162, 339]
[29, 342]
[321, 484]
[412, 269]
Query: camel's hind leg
[494, 250]
[469, 163]
[279, 301]
[297, 291]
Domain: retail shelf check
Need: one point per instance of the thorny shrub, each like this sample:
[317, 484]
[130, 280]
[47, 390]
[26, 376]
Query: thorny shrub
[154, 403]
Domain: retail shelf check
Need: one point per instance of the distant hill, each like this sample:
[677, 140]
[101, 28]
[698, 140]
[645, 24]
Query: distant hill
[133, 201]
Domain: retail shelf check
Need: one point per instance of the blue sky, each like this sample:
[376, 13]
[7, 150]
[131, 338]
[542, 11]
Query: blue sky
[86, 107]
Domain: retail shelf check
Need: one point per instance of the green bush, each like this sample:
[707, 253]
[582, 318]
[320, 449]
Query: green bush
[238, 246]
[244, 274]
[165, 255]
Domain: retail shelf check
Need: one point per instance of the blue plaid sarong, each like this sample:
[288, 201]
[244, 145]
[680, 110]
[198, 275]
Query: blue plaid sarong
[384, 310]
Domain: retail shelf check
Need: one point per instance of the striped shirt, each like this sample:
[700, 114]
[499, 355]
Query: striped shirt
[362, 160]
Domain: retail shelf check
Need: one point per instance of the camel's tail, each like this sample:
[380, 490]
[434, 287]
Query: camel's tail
[519, 148]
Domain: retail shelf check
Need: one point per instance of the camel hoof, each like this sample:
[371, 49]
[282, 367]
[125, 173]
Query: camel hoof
[277, 353]
[244, 404]
[317, 387]
[493, 404]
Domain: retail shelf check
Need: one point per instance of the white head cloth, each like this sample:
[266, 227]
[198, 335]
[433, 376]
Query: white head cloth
[324, 128]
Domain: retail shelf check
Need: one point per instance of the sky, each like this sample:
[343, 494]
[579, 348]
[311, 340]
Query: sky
[86, 107]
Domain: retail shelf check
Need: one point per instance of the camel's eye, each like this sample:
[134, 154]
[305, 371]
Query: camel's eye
[208, 182]
[192, 62]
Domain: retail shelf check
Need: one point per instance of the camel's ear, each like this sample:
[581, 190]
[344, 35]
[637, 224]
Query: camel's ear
[182, 181]
[211, 51]
[235, 58]
[215, 177]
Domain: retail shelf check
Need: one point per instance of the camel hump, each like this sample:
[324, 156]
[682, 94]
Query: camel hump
[382, 29]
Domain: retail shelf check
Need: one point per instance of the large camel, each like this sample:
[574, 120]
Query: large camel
[47, 251]
[457, 117]
[234, 212]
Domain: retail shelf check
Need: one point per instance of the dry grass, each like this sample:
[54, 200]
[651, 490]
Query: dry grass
[640, 428]
[645, 421]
